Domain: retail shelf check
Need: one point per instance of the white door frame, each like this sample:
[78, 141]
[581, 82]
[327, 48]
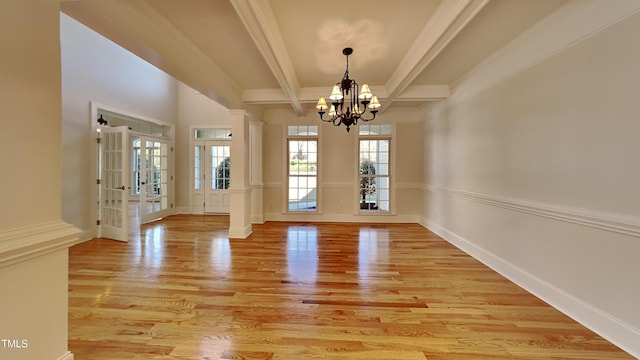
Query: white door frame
[197, 197]
[216, 200]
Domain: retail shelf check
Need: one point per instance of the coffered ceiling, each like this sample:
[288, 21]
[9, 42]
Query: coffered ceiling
[289, 52]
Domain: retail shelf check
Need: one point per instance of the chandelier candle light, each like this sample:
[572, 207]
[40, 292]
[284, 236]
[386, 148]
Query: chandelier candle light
[357, 102]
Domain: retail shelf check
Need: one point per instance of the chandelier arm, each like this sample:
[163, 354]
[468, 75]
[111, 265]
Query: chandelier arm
[321, 113]
[373, 117]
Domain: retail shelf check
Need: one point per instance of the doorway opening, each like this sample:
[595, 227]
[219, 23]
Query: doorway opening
[134, 168]
[211, 170]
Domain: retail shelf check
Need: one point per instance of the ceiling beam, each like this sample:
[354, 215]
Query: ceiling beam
[311, 94]
[449, 19]
[261, 24]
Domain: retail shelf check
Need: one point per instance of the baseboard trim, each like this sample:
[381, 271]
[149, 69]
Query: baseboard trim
[257, 219]
[67, 356]
[609, 327]
[343, 218]
[84, 236]
[240, 233]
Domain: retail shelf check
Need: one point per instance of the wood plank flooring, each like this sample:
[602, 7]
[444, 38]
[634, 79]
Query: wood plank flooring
[180, 289]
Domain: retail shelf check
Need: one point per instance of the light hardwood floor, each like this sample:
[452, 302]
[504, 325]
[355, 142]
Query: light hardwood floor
[181, 289]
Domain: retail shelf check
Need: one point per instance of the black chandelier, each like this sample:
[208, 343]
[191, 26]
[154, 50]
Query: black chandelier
[356, 101]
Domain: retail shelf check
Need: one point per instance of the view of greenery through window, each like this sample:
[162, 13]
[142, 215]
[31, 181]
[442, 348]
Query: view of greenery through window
[374, 162]
[374, 168]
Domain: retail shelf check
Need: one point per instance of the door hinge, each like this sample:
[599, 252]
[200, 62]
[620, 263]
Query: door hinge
[98, 181]
[98, 140]
[97, 222]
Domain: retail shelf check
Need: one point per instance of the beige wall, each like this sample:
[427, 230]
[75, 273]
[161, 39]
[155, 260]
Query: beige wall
[339, 166]
[33, 238]
[30, 103]
[537, 174]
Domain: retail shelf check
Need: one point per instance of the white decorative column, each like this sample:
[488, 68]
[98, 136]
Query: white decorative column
[255, 147]
[240, 190]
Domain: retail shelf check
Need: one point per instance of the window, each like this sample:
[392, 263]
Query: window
[135, 186]
[210, 134]
[197, 167]
[136, 125]
[302, 169]
[220, 166]
[374, 145]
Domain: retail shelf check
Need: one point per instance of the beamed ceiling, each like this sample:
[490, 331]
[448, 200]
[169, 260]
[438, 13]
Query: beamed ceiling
[289, 52]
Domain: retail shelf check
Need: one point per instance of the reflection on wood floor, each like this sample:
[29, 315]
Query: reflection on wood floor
[182, 289]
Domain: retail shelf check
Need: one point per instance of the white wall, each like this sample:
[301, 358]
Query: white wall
[94, 69]
[33, 238]
[537, 173]
[339, 166]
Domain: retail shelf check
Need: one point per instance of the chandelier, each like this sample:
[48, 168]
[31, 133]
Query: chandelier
[348, 105]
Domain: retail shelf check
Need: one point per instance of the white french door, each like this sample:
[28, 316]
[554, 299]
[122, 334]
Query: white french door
[114, 175]
[154, 179]
[212, 176]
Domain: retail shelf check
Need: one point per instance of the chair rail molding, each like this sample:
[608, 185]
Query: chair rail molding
[618, 223]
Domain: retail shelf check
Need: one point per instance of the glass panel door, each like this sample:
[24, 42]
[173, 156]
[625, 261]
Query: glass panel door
[113, 194]
[218, 177]
[154, 179]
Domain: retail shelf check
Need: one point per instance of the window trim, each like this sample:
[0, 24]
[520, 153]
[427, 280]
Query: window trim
[392, 172]
[285, 169]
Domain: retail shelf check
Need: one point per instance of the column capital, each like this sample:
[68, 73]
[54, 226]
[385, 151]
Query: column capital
[236, 113]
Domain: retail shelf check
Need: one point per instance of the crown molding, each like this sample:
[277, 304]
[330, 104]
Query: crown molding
[573, 22]
[311, 94]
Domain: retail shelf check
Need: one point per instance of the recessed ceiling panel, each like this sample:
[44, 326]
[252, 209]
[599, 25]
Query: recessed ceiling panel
[214, 27]
[379, 31]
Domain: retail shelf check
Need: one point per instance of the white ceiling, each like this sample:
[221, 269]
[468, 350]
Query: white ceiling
[274, 52]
